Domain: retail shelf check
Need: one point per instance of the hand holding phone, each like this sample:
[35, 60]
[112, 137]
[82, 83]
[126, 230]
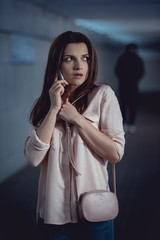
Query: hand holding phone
[60, 77]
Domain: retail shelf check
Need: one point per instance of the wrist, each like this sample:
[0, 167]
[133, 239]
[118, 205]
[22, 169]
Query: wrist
[78, 120]
[53, 110]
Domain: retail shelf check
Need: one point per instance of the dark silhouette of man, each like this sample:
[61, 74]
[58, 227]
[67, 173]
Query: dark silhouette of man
[129, 69]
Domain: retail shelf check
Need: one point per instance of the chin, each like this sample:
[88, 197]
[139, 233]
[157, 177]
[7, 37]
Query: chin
[77, 83]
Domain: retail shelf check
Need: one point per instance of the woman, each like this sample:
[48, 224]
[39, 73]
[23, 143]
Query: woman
[77, 130]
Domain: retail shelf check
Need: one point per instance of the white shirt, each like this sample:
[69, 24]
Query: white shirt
[68, 166]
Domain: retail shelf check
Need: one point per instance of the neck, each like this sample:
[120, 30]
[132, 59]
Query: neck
[69, 93]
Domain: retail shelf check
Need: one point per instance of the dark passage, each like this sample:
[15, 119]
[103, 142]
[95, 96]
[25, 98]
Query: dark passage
[138, 190]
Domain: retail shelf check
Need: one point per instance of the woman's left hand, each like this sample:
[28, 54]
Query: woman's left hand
[68, 112]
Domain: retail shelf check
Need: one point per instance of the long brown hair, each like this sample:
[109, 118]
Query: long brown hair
[42, 104]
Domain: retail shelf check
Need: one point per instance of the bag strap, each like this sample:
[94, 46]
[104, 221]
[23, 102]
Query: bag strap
[113, 165]
[114, 177]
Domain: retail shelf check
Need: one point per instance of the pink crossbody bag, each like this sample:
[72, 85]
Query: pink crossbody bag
[99, 205]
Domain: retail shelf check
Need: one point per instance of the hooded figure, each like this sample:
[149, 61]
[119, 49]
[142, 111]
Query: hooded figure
[129, 70]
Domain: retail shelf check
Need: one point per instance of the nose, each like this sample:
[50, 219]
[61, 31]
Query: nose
[77, 65]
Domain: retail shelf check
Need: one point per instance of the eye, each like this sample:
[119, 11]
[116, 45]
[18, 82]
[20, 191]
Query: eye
[68, 59]
[85, 58]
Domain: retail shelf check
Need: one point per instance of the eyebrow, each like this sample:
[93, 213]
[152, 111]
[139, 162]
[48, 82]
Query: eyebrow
[73, 55]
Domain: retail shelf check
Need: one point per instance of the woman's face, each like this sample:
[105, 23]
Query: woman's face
[75, 66]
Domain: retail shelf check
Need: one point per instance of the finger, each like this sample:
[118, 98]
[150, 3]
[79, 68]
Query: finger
[56, 81]
[63, 81]
[62, 90]
[67, 100]
[59, 89]
[54, 87]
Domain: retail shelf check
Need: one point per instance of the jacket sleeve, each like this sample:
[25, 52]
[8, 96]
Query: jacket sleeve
[35, 150]
[111, 120]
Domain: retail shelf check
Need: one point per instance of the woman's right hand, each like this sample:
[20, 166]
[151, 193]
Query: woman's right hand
[55, 93]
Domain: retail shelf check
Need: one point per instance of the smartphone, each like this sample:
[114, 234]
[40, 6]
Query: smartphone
[60, 76]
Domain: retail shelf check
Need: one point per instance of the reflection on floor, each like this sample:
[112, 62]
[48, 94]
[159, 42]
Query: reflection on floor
[138, 190]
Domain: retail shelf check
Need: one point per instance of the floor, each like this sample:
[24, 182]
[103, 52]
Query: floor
[138, 182]
[138, 189]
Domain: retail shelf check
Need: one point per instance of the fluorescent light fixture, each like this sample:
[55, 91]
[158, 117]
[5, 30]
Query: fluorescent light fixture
[110, 29]
[122, 31]
[96, 26]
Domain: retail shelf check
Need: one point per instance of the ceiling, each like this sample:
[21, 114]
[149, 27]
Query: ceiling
[118, 21]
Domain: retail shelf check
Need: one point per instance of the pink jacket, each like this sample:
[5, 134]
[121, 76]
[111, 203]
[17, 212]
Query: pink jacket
[68, 166]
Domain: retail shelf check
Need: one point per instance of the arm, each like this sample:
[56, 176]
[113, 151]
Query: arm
[35, 150]
[99, 142]
[45, 131]
[37, 145]
[107, 144]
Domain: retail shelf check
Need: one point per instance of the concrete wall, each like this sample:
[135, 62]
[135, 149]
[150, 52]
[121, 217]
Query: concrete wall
[151, 80]
[21, 82]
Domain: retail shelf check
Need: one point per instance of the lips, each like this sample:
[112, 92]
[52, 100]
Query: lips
[78, 74]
